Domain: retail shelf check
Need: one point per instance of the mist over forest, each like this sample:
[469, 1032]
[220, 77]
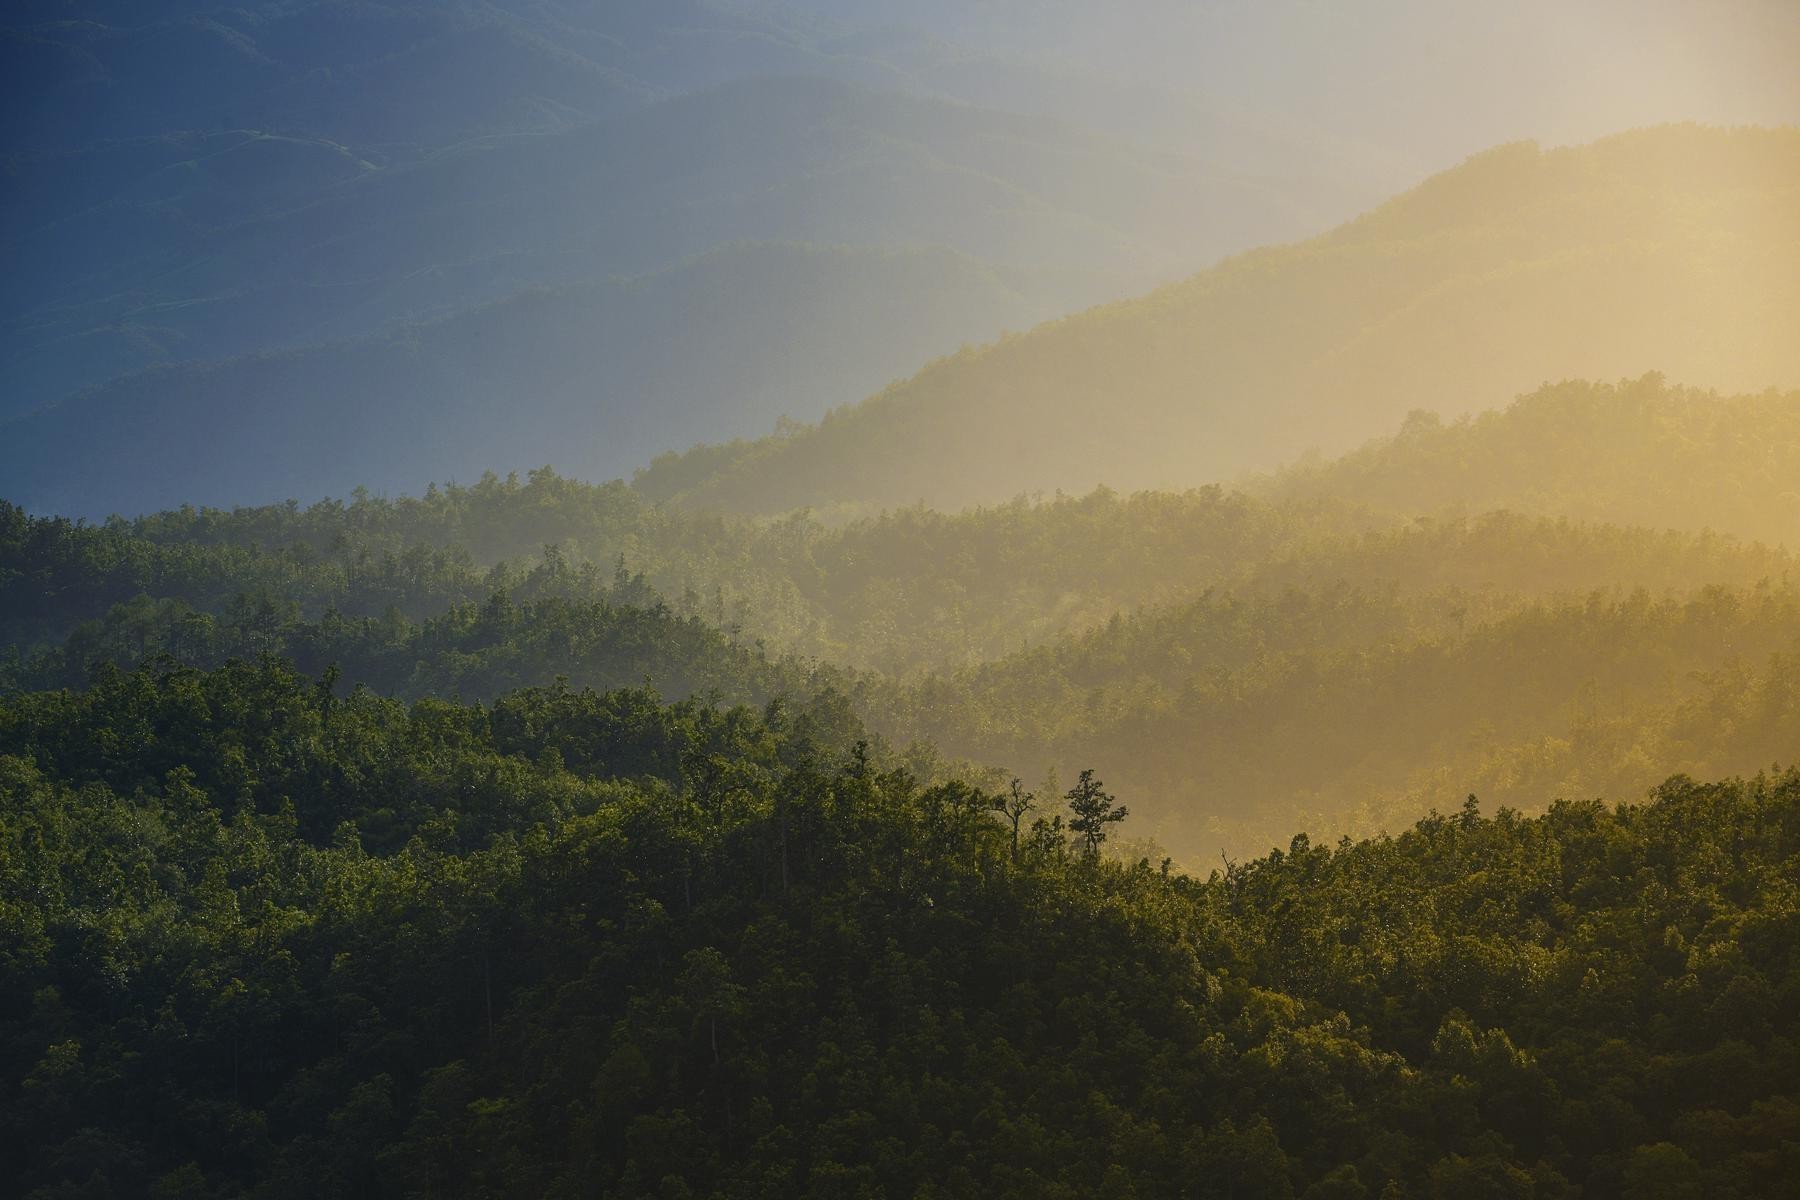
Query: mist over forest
[811, 598]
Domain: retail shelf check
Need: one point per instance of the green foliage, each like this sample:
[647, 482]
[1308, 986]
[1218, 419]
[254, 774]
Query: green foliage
[1240, 717]
[908, 588]
[259, 941]
[1093, 811]
[1182, 643]
[911, 589]
[476, 651]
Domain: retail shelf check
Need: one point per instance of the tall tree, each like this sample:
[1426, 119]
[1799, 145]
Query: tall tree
[1094, 810]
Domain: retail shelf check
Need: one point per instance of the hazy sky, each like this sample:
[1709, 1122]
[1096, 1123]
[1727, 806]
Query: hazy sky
[1430, 79]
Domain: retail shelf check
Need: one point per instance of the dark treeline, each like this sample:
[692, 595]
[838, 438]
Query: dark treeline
[475, 651]
[909, 590]
[265, 941]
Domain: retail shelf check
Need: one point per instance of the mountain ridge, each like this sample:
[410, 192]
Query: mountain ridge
[1284, 348]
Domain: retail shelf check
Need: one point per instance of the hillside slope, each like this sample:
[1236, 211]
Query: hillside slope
[1673, 249]
[1001, 220]
[1353, 709]
[1639, 452]
[586, 374]
[580, 944]
[192, 189]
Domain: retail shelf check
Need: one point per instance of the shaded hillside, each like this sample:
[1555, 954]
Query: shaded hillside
[536, 628]
[583, 943]
[1056, 215]
[906, 590]
[1640, 452]
[909, 589]
[195, 189]
[1675, 249]
[584, 374]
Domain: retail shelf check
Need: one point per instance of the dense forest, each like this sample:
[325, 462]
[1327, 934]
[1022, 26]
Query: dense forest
[915, 588]
[1398, 702]
[263, 940]
[1177, 642]
[535, 837]
[829, 600]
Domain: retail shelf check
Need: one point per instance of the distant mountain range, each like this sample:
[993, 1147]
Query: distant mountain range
[214, 215]
[1675, 249]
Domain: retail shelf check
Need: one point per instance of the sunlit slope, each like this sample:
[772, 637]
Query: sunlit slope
[1345, 709]
[1675, 249]
[1642, 452]
[1311, 677]
[583, 944]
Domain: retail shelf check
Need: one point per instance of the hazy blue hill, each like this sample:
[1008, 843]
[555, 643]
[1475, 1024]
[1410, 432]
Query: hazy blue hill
[797, 158]
[200, 183]
[1673, 249]
[412, 75]
[593, 375]
[1056, 213]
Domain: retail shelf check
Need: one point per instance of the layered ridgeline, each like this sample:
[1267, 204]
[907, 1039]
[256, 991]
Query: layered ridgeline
[908, 591]
[905, 591]
[1323, 679]
[1520, 655]
[377, 245]
[1502, 653]
[410, 620]
[1342, 710]
[1674, 249]
[582, 944]
[916, 589]
[584, 373]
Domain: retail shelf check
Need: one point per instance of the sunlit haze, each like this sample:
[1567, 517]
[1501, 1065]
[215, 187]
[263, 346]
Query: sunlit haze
[959, 600]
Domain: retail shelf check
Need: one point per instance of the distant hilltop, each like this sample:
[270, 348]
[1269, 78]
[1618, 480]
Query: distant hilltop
[1675, 249]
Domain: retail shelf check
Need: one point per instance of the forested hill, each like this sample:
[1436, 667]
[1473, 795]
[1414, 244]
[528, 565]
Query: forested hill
[1640, 452]
[1396, 704]
[579, 944]
[911, 590]
[1671, 249]
[1178, 642]
[744, 724]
